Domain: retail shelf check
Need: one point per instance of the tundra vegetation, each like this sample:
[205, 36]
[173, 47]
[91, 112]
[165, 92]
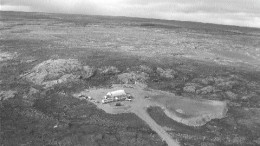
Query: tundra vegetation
[176, 67]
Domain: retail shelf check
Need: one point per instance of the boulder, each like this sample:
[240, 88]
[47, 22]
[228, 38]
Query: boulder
[218, 80]
[166, 73]
[109, 70]
[132, 77]
[88, 72]
[49, 84]
[206, 90]
[32, 91]
[29, 98]
[231, 95]
[145, 69]
[245, 98]
[227, 85]
[248, 96]
[190, 89]
[208, 81]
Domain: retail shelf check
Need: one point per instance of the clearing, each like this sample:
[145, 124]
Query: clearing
[193, 112]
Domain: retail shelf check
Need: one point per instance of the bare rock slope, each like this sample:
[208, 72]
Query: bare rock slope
[52, 72]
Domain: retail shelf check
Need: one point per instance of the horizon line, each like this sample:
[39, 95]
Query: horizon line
[151, 18]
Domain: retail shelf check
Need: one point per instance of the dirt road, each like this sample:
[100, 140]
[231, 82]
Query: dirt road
[141, 113]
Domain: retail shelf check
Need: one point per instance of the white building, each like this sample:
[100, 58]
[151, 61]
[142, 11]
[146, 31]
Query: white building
[118, 95]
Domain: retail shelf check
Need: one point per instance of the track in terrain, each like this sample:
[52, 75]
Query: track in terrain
[141, 113]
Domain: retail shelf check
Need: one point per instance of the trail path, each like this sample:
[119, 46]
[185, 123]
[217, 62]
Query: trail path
[141, 113]
[139, 107]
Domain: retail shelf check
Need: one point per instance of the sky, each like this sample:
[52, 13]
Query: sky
[228, 12]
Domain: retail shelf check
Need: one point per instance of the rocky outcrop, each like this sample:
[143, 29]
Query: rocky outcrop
[145, 69]
[4, 95]
[4, 56]
[63, 79]
[231, 95]
[52, 72]
[109, 70]
[222, 83]
[132, 77]
[206, 90]
[248, 96]
[191, 87]
[227, 85]
[32, 91]
[87, 72]
[207, 81]
[166, 73]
